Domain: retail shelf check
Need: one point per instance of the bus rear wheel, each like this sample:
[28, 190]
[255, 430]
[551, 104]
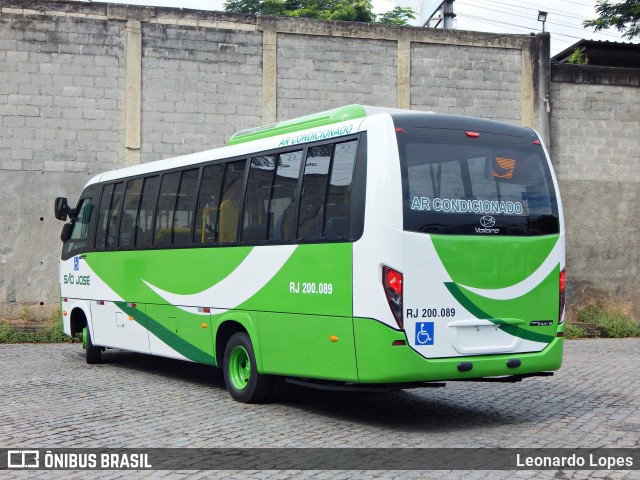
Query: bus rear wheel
[93, 353]
[241, 376]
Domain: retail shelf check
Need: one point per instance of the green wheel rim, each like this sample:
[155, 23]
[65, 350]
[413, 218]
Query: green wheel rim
[84, 338]
[239, 368]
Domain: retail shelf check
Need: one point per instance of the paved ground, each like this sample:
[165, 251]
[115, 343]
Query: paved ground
[50, 398]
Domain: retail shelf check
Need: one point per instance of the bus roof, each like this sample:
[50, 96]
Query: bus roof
[238, 144]
[328, 117]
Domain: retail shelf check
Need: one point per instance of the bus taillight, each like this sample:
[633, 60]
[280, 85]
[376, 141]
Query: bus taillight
[392, 282]
[561, 311]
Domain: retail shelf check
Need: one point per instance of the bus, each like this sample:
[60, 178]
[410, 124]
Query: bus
[359, 247]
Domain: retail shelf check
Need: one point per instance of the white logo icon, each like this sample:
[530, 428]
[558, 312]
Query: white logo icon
[487, 221]
[23, 459]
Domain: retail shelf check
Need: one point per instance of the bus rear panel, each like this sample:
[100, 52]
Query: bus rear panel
[477, 290]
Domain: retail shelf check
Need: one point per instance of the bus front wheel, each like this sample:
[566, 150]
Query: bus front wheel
[93, 353]
[241, 376]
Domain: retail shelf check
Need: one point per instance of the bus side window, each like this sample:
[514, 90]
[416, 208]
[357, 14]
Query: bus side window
[163, 228]
[103, 216]
[314, 191]
[144, 216]
[114, 215]
[81, 235]
[336, 217]
[129, 212]
[230, 201]
[208, 201]
[259, 184]
[183, 217]
[280, 214]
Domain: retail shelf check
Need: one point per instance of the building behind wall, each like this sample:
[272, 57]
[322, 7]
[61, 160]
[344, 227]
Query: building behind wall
[595, 119]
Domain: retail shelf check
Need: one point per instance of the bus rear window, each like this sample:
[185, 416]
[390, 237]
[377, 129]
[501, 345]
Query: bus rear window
[469, 186]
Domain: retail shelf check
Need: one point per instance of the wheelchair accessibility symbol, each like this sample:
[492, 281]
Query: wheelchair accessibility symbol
[76, 263]
[424, 333]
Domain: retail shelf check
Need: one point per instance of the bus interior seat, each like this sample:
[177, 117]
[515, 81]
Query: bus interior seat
[181, 236]
[228, 220]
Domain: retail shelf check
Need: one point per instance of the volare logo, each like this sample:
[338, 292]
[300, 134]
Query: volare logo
[23, 459]
[487, 221]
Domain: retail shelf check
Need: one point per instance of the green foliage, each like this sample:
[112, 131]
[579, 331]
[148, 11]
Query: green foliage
[578, 57]
[397, 16]
[345, 10]
[573, 331]
[48, 332]
[604, 318]
[243, 6]
[623, 16]
[26, 314]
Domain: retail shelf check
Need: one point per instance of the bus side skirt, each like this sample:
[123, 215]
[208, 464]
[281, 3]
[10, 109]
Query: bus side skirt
[360, 387]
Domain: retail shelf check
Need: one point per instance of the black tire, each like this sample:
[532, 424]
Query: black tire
[252, 387]
[93, 353]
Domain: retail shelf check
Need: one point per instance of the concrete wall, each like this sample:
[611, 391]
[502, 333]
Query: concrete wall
[595, 145]
[88, 87]
[61, 103]
[196, 83]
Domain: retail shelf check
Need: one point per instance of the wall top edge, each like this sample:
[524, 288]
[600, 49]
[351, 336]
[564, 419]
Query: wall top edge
[595, 75]
[285, 25]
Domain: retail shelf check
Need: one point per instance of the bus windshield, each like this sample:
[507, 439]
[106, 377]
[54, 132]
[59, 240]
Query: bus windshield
[460, 184]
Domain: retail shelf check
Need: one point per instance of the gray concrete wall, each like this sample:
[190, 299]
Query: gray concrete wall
[61, 104]
[89, 87]
[196, 84]
[316, 73]
[595, 145]
[465, 80]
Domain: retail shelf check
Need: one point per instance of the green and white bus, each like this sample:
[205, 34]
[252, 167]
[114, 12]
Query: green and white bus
[358, 247]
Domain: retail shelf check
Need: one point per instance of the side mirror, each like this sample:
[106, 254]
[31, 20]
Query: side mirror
[66, 232]
[61, 208]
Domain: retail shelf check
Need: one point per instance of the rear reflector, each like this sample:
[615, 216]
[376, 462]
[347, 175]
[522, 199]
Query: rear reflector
[465, 366]
[562, 297]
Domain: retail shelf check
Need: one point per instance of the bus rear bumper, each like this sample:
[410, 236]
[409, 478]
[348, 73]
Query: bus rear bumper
[379, 361]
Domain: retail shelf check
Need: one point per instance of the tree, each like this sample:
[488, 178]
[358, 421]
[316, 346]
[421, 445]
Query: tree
[346, 10]
[397, 16]
[624, 16]
[578, 58]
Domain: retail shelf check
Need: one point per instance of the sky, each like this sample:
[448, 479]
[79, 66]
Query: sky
[564, 17]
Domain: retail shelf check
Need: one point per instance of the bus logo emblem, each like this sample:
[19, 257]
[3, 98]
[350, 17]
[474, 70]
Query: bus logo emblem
[487, 221]
[76, 263]
[424, 333]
